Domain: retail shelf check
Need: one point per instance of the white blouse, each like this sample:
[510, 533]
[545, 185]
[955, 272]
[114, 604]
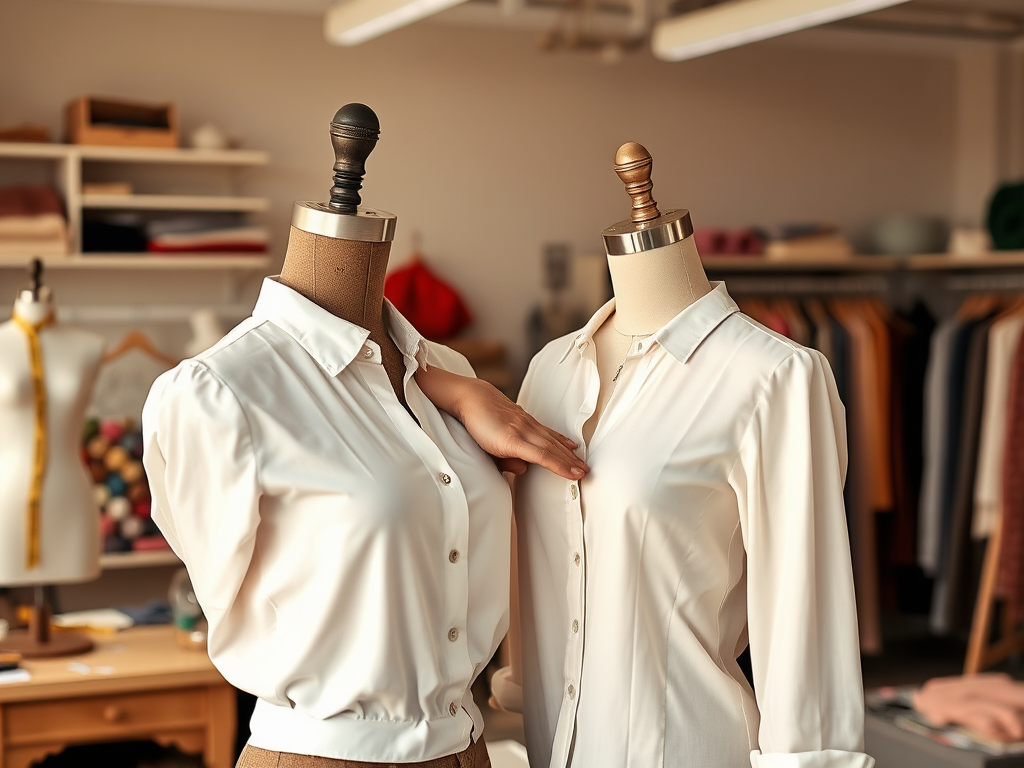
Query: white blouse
[352, 564]
[713, 512]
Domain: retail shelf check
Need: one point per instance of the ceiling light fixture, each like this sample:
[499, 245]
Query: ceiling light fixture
[738, 22]
[352, 22]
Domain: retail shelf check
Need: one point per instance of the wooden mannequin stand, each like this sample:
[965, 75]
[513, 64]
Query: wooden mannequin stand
[38, 641]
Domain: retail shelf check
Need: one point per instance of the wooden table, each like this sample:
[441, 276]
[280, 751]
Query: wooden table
[137, 684]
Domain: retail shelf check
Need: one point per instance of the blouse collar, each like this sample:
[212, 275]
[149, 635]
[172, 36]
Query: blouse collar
[682, 334]
[327, 338]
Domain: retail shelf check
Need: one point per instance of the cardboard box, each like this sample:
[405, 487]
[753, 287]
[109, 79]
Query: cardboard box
[109, 122]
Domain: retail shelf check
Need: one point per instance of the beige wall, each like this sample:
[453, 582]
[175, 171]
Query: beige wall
[490, 148]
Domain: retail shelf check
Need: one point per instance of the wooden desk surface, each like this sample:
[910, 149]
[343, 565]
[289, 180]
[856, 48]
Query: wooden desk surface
[136, 659]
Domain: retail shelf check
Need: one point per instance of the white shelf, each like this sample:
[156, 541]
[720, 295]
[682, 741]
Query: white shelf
[175, 202]
[134, 154]
[121, 560]
[202, 261]
[930, 262]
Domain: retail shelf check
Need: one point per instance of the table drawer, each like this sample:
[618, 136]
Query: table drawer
[98, 718]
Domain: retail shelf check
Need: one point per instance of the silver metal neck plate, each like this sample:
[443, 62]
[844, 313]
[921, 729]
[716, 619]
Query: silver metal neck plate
[630, 237]
[367, 225]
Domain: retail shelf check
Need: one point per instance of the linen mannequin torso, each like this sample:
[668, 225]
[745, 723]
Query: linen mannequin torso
[712, 516]
[650, 289]
[69, 544]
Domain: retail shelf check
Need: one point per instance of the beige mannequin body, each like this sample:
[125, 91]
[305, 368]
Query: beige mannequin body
[69, 521]
[650, 289]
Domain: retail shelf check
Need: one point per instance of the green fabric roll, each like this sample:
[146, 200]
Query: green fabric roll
[1006, 218]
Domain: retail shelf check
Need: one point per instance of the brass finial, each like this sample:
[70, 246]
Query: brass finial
[633, 164]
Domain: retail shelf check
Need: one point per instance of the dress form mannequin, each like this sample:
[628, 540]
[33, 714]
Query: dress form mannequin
[68, 521]
[651, 285]
[337, 253]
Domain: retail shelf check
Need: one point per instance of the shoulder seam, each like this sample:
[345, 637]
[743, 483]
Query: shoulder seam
[200, 364]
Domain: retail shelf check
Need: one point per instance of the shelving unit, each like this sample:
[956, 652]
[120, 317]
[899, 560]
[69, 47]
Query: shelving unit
[933, 262]
[125, 560]
[71, 160]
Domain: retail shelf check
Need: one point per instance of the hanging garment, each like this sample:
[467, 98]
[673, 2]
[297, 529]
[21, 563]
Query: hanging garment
[353, 564]
[39, 448]
[863, 482]
[1003, 339]
[1010, 584]
[956, 585]
[713, 514]
[935, 444]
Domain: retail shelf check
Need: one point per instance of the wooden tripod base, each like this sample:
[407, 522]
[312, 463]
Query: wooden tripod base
[63, 644]
[39, 642]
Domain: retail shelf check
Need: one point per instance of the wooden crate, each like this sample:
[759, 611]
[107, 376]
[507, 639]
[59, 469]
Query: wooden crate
[109, 122]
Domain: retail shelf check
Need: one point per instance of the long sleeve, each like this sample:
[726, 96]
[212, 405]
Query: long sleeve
[802, 618]
[202, 469]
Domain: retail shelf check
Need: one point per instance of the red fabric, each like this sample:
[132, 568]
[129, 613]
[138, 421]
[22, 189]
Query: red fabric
[208, 248]
[433, 307]
[29, 201]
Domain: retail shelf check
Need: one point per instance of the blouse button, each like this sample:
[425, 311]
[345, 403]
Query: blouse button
[575, 626]
[367, 352]
[453, 556]
[446, 479]
[453, 634]
[453, 709]
[576, 558]
[573, 492]
[572, 691]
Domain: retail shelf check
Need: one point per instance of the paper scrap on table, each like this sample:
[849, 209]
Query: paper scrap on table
[102, 618]
[85, 669]
[15, 676]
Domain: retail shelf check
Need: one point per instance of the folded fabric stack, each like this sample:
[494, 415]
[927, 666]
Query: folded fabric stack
[196, 235]
[814, 242]
[32, 222]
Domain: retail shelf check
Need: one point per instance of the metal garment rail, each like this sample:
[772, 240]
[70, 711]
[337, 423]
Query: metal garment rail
[761, 286]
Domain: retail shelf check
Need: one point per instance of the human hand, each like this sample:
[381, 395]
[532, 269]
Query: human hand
[991, 704]
[499, 426]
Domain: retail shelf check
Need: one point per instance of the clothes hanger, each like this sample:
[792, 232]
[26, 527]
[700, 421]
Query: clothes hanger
[140, 341]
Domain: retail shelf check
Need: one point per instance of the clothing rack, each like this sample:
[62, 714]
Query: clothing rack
[796, 286]
[985, 283]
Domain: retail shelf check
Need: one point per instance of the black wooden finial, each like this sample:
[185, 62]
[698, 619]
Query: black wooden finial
[37, 278]
[354, 133]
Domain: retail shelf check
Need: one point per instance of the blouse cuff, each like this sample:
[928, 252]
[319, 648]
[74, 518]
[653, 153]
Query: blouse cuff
[507, 693]
[826, 758]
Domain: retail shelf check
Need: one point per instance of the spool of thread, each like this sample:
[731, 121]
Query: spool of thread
[143, 509]
[90, 429]
[116, 485]
[132, 442]
[131, 528]
[98, 471]
[97, 447]
[108, 527]
[115, 458]
[100, 494]
[119, 508]
[132, 471]
[138, 492]
[112, 429]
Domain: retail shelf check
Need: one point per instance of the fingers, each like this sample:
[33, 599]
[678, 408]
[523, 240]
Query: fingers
[993, 720]
[553, 456]
[513, 465]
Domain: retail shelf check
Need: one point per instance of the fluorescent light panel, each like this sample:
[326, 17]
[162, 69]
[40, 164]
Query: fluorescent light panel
[352, 22]
[739, 22]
